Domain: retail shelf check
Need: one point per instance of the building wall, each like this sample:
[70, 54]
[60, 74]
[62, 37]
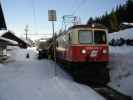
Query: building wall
[2, 50]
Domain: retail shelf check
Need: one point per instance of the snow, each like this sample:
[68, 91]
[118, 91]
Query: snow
[26, 41]
[121, 69]
[2, 32]
[9, 41]
[126, 34]
[121, 64]
[125, 23]
[32, 79]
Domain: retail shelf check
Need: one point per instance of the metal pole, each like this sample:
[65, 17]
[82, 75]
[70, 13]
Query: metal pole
[26, 32]
[54, 47]
[26, 35]
[54, 41]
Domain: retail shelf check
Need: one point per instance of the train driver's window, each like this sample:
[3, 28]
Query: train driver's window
[100, 37]
[85, 36]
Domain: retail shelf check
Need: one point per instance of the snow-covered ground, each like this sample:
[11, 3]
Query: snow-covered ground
[121, 64]
[32, 79]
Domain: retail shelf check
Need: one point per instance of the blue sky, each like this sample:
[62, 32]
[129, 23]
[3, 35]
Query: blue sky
[34, 13]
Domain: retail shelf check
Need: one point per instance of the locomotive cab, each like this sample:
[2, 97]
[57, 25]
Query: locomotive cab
[86, 44]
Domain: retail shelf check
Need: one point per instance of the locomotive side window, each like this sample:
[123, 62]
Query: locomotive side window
[57, 43]
[69, 38]
[85, 36]
[100, 37]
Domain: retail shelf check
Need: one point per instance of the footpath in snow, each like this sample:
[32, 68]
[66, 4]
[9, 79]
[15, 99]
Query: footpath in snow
[32, 79]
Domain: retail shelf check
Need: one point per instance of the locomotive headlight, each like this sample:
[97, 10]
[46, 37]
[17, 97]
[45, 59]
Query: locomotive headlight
[104, 51]
[93, 25]
[83, 51]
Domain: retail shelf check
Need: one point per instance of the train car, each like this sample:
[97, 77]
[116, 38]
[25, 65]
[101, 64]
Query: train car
[42, 48]
[85, 46]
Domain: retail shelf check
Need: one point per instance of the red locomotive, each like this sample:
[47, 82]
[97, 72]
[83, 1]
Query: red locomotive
[83, 43]
[86, 48]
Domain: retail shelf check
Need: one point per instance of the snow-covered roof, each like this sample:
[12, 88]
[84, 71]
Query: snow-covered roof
[26, 41]
[8, 41]
[2, 32]
[125, 23]
[22, 39]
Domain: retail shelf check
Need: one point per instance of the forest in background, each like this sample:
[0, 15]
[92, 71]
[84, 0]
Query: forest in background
[113, 20]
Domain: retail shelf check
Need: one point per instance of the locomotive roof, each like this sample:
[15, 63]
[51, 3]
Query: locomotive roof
[100, 26]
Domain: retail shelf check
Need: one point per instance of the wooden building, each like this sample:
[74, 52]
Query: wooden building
[10, 35]
[4, 42]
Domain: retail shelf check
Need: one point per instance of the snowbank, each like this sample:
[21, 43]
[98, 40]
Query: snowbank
[126, 34]
[121, 66]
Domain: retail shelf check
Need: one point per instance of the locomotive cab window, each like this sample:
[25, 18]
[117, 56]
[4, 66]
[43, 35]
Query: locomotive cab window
[85, 36]
[100, 37]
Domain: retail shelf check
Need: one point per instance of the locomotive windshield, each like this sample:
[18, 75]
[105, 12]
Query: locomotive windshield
[85, 36]
[100, 37]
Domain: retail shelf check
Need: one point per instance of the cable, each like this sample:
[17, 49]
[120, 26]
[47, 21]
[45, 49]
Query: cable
[34, 16]
[79, 6]
[64, 24]
[73, 3]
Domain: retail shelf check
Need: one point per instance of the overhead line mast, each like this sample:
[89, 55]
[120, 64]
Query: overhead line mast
[71, 19]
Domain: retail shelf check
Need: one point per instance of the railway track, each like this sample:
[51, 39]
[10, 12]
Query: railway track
[101, 88]
[107, 92]
[111, 94]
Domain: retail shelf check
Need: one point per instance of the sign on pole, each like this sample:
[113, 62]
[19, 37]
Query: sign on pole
[52, 15]
[52, 18]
